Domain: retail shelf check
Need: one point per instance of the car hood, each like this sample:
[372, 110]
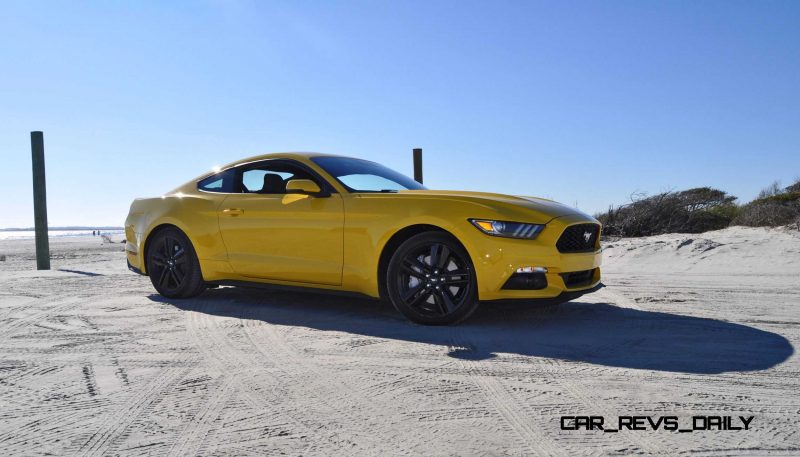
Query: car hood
[542, 206]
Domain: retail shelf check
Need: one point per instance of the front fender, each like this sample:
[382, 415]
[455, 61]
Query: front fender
[371, 220]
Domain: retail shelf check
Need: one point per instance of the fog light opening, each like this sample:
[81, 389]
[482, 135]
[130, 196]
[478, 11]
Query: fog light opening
[526, 280]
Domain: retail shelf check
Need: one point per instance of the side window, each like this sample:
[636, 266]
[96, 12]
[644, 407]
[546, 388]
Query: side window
[220, 182]
[253, 181]
[375, 182]
[271, 177]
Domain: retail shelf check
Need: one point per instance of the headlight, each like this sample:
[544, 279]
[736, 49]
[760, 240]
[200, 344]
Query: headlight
[508, 229]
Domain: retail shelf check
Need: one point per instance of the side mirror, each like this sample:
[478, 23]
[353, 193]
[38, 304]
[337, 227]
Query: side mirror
[304, 186]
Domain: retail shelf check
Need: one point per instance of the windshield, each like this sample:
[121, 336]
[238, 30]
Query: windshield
[364, 176]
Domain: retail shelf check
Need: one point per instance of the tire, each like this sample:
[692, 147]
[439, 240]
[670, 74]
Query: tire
[431, 280]
[173, 266]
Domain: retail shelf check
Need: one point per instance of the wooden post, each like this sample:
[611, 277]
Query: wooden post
[418, 165]
[40, 202]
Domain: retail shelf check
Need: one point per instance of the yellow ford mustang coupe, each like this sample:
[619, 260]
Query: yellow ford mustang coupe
[345, 224]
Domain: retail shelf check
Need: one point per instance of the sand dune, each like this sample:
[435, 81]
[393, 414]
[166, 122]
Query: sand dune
[735, 250]
[93, 362]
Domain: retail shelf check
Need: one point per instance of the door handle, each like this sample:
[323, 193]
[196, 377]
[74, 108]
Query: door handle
[232, 211]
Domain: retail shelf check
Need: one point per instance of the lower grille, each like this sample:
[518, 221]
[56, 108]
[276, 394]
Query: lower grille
[526, 281]
[578, 278]
[579, 238]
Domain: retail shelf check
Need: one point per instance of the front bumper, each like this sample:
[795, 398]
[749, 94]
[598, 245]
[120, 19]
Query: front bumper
[558, 299]
[496, 259]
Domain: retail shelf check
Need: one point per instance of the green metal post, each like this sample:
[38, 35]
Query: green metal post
[40, 202]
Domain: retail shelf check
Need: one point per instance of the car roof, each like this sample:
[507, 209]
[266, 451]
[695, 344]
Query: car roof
[278, 155]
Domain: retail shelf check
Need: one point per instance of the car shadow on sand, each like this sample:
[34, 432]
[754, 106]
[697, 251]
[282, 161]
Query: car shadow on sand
[578, 331]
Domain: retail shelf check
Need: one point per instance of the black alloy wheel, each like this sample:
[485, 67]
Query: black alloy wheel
[172, 265]
[431, 280]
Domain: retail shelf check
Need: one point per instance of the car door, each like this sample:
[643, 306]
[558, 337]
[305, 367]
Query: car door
[270, 234]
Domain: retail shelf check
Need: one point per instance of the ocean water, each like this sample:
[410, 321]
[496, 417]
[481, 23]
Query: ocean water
[30, 234]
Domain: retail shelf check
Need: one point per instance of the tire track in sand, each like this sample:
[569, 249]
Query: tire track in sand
[506, 403]
[115, 423]
[213, 342]
[326, 387]
[191, 438]
[495, 395]
[58, 305]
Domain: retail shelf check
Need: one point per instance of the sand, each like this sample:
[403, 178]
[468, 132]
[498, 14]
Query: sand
[92, 362]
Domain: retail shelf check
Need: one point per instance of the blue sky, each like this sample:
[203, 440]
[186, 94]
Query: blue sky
[582, 102]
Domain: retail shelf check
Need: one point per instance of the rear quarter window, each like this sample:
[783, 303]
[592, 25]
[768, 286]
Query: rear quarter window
[220, 182]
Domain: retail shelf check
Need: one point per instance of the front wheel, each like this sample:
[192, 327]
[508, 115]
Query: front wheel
[431, 280]
[173, 266]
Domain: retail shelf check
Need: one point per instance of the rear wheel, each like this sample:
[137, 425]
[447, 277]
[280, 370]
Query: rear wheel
[173, 266]
[431, 280]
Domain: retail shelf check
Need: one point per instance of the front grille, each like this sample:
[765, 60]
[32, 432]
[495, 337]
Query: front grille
[579, 238]
[578, 278]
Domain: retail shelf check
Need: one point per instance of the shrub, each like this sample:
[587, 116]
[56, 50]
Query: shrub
[766, 214]
[701, 209]
[689, 211]
[794, 187]
[771, 190]
[772, 208]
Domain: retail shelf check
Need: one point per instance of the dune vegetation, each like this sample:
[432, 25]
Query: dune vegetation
[701, 209]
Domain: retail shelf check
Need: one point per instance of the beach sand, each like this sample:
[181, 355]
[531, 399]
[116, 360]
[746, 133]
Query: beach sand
[93, 362]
